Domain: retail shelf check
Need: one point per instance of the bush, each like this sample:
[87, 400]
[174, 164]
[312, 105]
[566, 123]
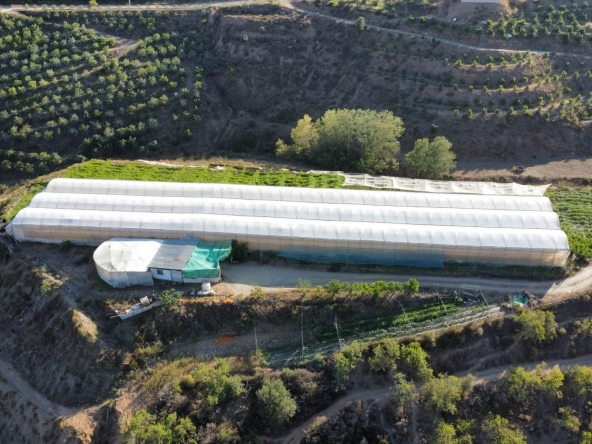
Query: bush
[147, 429]
[215, 384]
[411, 286]
[496, 430]
[275, 402]
[240, 251]
[66, 245]
[415, 360]
[347, 359]
[386, 353]
[169, 298]
[537, 325]
[443, 393]
[444, 434]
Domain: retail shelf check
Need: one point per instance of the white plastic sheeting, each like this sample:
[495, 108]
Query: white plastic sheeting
[291, 194]
[124, 262]
[299, 210]
[541, 247]
[472, 228]
[440, 186]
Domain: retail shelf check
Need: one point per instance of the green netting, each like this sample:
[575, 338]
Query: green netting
[205, 260]
[520, 299]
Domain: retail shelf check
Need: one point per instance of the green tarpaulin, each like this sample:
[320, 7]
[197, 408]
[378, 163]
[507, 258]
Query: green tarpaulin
[205, 260]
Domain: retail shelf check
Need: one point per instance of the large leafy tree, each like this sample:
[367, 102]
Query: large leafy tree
[347, 139]
[431, 160]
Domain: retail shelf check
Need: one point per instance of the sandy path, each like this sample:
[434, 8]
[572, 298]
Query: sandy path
[362, 395]
[241, 277]
[47, 407]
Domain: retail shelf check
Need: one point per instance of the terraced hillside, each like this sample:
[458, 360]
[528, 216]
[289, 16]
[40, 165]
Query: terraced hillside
[231, 81]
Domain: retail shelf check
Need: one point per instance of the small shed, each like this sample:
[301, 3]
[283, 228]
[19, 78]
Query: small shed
[126, 262]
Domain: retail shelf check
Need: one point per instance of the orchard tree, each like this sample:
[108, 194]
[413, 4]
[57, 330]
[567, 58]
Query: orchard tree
[431, 160]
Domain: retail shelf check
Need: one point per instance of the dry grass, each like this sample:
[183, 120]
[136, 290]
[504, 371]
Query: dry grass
[85, 326]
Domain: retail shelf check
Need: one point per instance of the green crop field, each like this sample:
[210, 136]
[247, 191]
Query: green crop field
[574, 207]
[99, 169]
[391, 322]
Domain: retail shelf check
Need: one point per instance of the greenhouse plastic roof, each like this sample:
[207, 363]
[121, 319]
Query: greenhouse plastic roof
[292, 194]
[441, 186]
[126, 255]
[51, 220]
[137, 255]
[95, 210]
[298, 210]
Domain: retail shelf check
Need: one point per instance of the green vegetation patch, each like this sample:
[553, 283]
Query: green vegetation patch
[391, 323]
[574, 207]
[99, 169]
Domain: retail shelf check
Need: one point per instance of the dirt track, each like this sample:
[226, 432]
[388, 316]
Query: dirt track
[46, 407]
[289, 5]
[241, 277]
[297, 434]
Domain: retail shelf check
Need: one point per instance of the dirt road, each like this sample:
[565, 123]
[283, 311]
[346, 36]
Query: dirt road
[45, 406]
[297, 434]
[289, 5]
[241, 277]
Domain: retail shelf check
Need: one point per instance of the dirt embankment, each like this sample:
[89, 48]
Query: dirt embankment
[44, 339]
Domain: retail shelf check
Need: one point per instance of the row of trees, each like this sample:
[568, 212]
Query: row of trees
[365, 141]
[63, 83]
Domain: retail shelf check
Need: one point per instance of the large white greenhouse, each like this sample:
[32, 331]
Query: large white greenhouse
[355, 226]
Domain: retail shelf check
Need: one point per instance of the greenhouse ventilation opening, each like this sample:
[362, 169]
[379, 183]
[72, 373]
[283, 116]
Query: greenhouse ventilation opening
[311, 224]
[369, 257]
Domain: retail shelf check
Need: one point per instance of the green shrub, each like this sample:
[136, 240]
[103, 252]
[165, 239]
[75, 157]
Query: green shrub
[347, 359]
[415, 361]
[276, 405]
[170, 298]
[385, 355]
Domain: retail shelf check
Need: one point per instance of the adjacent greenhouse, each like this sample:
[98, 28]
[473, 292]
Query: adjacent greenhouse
[351, 226]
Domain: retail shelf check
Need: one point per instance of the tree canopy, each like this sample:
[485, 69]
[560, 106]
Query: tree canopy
[145, 428]
[537, 325]
[431, 160]
[275, 402]
[497, 431]
[347, 139]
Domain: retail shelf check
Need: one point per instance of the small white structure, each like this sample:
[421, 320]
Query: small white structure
[125, 262]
